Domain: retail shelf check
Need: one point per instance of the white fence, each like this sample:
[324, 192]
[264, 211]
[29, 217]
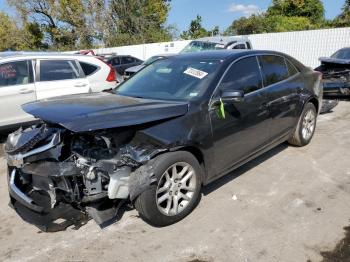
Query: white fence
[147, 50]
[306, 46]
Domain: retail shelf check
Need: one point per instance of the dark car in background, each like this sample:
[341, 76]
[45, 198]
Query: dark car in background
[180, 123]
[122, 62]
[132, 70]
[336, 73]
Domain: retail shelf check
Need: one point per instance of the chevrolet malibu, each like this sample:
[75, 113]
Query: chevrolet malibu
[177, 125]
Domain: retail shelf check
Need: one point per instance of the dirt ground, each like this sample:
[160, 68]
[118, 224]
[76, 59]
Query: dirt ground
[291, 204]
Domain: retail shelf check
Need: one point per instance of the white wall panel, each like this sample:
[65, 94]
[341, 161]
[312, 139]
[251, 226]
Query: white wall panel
[306, 46]
[147, 50]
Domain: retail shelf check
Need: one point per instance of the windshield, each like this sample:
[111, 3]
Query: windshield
[342, 54]
[197, 46]
[172, 79]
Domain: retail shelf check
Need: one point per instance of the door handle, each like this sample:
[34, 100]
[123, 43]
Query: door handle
[80, 85]
[26, 91]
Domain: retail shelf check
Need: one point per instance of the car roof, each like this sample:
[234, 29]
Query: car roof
[164, 55]
[222, 39]
[114, 56]
[225, 54]
[37, 54]
[344, 48]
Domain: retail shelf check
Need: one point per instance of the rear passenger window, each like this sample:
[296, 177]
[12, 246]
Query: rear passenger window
[88, 69]
[291, 68]
[54, 70]
[115, 61]
[239, 46]
[127, 60]
[274, 69]
[16, 73]
[243, 75]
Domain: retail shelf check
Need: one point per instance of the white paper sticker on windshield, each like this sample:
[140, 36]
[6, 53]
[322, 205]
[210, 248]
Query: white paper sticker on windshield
[195, 73]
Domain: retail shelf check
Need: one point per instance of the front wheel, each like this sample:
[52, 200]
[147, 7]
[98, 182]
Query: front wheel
[176, 192]
[306, 126]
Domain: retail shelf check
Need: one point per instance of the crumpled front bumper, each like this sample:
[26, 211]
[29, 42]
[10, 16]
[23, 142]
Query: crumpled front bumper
[19, 196]
[337, 88]
[35, 208]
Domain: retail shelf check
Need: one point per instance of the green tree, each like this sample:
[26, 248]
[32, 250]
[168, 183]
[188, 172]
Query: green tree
[10, 34]
[311, 9]
[254, 24]
[195, 30]
[282, 16]
[215, 31]
[279, 23]
[64, 24]
[343, 20]
[33, 36]
[136, 22]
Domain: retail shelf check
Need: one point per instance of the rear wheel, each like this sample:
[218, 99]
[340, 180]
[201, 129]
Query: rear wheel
[176, 192]
[306, 126]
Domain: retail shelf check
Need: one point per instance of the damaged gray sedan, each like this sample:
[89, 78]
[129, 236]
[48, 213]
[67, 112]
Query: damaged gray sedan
[178, 124]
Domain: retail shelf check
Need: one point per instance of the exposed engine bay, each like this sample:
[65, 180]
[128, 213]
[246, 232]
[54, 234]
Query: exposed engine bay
[336, 76]
[56, 173]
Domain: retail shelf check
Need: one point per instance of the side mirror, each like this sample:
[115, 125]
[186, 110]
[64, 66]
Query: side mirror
[232, 95]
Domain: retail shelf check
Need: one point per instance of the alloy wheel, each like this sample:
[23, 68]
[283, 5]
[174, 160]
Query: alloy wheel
[176, 188]
[309, 123]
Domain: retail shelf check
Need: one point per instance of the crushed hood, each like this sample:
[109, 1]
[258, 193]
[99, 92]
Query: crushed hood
[331, 60]
[89, 112]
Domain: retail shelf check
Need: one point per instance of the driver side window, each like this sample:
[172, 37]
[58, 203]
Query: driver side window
[243, 75]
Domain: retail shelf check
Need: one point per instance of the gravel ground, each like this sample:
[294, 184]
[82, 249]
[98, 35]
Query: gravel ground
[290, 204]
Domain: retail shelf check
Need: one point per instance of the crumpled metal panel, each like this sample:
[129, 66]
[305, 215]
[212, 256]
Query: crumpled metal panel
[86, 112]
[24, 140]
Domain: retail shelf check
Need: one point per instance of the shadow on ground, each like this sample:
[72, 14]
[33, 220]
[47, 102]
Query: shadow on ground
[341, 252]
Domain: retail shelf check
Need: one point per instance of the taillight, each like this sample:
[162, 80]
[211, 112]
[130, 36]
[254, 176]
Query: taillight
[112, 74]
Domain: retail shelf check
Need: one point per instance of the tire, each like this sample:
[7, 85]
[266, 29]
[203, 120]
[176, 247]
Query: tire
[303, 134]
[328, 105]
[151, 204]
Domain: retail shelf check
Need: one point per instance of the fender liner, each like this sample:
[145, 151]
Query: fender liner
[141, 179]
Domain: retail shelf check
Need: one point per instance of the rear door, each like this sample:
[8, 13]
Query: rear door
[16, 88]
[57, 77]
[283, 84]
[244, 130]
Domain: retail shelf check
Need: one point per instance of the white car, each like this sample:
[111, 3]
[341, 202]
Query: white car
[27, 77]
[218, 43]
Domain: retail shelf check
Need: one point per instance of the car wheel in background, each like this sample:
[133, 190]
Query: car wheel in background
[328, 105]
[306, 126]
[176, 192]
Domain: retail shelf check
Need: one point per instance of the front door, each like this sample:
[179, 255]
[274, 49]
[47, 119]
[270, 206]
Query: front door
[244, 128]
[16, 88]
[60, 77]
